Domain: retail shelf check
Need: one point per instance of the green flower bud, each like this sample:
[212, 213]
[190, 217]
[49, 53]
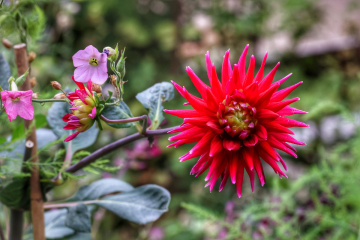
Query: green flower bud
[120, 66]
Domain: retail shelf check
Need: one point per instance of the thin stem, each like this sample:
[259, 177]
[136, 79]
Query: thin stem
[48, 100]
[142, 129]
[2, 236]
[16, 223]
[113, 146]
[127, 120]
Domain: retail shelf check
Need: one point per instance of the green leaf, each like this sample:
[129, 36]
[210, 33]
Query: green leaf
[54, 118]
[18, 132]
[78, 218]
[116, 112]
[152, 99]
[5, 73]
[20, 80]
[141, 205]
[40, 120]
[100, 188]
[55, 224]
[36, 23]
[16, 194]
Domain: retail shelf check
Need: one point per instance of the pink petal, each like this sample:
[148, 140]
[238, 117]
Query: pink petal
[98, 76]
[92, 52]
[93, 113]
[71, 137]
[81, 58]
[83, 73]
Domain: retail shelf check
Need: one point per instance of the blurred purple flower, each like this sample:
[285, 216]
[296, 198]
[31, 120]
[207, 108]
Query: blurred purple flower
[156, 233]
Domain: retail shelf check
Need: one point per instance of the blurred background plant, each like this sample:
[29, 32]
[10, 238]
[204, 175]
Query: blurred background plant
[318, 41]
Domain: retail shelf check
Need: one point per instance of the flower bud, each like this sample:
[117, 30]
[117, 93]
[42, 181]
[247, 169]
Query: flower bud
[7, 43]
[35, 95]
[96, 87]
[33, 82]
[109, 51]
[120, 66]
[59, 96]
[32, 56]
[58, 180]
[56, 85]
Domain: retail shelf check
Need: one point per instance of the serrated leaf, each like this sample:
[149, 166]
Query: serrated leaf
[54, 118]
[78, 218]
[5, 73]
[100, 188]
[120, 111]
[152, 99]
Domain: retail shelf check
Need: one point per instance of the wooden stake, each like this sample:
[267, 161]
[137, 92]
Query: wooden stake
[37, 211]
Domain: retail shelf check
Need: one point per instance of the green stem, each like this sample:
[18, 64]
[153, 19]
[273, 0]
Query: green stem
[141, 129]
[48, 100]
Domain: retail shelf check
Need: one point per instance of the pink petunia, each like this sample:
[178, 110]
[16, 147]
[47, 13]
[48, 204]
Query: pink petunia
[90, 65]
[18, 103]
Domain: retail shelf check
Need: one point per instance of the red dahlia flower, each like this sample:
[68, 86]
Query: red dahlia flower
[83, 109]
[237, 122]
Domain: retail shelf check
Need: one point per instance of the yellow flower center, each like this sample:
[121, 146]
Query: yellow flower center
[93, 61]
[237, 117]
[16, 99]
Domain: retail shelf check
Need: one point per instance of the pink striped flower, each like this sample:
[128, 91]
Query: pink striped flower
[83, 109]
[236, 123]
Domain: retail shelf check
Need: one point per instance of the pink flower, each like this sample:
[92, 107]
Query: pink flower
[90, 65]
[83, 109]
[18, 103]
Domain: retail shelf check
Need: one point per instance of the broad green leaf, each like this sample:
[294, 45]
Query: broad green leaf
[5, 73]
[141, 205]
[54, 118]
[100, 188]
[55, 224]
[152, 99]
[16, 194]
[78, 218]
[121, 111]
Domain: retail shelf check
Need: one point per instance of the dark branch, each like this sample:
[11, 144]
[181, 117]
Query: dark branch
[113, 146]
